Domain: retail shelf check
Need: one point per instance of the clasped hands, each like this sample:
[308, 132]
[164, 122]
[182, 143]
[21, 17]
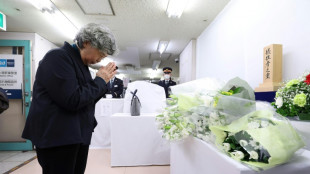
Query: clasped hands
[107, 72]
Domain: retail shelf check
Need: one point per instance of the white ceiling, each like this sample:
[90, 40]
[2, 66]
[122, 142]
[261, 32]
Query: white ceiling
[138, 26]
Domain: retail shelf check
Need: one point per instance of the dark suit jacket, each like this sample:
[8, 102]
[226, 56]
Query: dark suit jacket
[117, 88]
[163, 84]
[4, 101]
[63, 102]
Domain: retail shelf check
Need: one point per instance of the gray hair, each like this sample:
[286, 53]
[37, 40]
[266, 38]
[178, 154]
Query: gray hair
[99, 36]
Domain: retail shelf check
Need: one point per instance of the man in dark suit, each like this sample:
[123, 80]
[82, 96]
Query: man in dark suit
[115, 87]
[167, 82]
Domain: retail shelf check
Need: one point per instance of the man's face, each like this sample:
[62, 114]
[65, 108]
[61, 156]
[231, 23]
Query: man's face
[167, 75]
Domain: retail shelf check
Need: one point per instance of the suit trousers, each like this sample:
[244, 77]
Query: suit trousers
[68, 159]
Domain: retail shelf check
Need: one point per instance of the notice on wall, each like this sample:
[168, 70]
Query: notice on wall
[11, 75]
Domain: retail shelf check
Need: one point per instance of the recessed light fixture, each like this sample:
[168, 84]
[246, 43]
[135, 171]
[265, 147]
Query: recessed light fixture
[56, 17]
[162, 46]
[175, 8]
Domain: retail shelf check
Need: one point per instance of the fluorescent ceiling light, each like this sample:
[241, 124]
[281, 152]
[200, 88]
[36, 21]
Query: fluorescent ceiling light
[56, 17]
[162, 45]
[43, 5]
[175, 8]
[156, 64]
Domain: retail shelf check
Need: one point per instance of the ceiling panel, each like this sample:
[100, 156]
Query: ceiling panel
[96, 7]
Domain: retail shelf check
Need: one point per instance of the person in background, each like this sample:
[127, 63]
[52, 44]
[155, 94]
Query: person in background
[167, 82]
[61, 117]
[4, 101]
[115, 87]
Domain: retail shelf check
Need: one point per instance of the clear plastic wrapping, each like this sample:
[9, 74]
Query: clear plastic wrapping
[227, 116]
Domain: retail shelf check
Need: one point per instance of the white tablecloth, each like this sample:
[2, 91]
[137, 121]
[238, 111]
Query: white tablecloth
[105, 108]
[304, 129]
[136, 141]
[194, 156]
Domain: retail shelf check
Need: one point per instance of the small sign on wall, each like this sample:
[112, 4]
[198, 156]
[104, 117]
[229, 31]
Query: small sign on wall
[11, 75]
[2, 21]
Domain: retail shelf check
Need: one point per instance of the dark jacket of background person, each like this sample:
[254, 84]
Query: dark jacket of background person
[166, 86]
[64, 98]
[117, 88]
[4, 101]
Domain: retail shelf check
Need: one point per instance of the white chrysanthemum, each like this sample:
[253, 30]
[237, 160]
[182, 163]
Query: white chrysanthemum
[243, 143]
[238, 154]
[195, 114]
[214, 115]
[184, 132]
[256, 147]
[253, 155]
[207, 100]
[206, 138]
[253, 125]
[212, 137]
[173, 128]
[264, 123]
[200, 129]
[226, 147]
[230, 134]
[223, 121]
[159, 125]
[199, 135]
[167, 136]
[199, 123]
[253, 143]
[279, 102]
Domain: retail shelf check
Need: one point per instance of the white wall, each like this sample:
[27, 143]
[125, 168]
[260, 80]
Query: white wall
[233, 43]
[188, 63]
[39, 46]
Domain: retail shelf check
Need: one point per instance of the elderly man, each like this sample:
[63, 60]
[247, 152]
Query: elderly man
[167, 82]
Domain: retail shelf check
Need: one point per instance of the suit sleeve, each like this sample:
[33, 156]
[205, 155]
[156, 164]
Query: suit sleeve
[119, 90]
[57, 74]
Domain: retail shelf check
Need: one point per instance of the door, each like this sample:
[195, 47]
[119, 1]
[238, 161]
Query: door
[15, 78]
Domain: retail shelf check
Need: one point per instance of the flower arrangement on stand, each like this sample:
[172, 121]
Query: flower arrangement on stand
[293, 99]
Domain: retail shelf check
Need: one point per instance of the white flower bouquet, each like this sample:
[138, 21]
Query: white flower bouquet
[226, 116]
[173, 123]
[186, 108]
[260, 139]
[236, 98]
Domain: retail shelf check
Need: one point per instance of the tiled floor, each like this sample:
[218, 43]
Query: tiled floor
[98, 163]
[11, 159]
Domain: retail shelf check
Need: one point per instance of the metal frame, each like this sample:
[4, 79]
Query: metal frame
[27, 88]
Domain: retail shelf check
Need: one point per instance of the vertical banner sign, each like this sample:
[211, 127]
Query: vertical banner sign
[272, 68]
[11, 75]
